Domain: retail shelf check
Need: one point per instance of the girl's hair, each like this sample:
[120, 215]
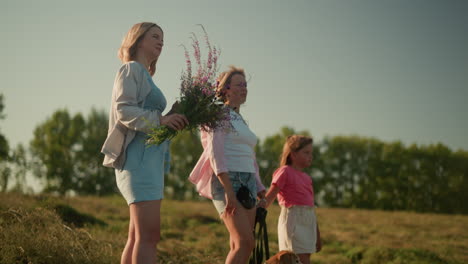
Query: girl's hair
[293, 143]
[128, 49]
[224, 80]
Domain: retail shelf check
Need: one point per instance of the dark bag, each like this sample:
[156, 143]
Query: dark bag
[245, 197]
[262, 251]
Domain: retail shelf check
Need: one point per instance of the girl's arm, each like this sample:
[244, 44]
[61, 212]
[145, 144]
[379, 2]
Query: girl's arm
[318, 243]
[279, 181]
[261, 199]
[271, 195]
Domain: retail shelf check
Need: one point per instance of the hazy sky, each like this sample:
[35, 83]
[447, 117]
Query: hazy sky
[390, 69]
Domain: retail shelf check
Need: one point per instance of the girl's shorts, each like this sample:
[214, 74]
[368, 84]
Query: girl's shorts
[236, 178]
[297, 229]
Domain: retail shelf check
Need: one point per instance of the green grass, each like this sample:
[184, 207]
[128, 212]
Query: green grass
[45, 229]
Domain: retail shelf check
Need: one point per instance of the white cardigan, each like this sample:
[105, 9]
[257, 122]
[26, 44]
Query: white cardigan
[126, 115]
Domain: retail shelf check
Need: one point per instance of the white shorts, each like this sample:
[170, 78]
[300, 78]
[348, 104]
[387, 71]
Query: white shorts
[297, 229]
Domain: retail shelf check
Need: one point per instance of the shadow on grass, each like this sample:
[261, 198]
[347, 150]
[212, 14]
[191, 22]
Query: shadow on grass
[390, 255]
[71, 216]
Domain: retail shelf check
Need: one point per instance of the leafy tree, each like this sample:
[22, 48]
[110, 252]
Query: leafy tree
[348, 171]
[457, 183]
[66, 154]
[185, 151]
[343, 165]
[366, 173]
[433, 161]
[54, 148]
[4, 149]
[20, 166]
[91, 177]
[5, 173]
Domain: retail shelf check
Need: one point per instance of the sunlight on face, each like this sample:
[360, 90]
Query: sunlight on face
[303, 157]
[152, 43]
[237, 92]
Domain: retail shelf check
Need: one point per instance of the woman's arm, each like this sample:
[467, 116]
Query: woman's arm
[216, 154]
[231, 200]
[260, 187]
[218, 164]
[129, 113]
[318, 243]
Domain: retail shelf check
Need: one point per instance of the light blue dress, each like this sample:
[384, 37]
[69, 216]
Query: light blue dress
[142, 176]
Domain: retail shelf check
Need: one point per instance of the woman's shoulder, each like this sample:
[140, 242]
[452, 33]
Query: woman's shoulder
[131, 68]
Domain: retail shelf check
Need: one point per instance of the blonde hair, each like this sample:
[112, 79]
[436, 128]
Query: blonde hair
[293, 143]
[128, 49]
[224, 80]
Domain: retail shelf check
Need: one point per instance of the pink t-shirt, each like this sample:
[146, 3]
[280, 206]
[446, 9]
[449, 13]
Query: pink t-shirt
[295, 186]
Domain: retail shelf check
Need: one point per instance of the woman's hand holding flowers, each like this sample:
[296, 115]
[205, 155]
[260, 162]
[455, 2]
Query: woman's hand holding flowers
[174, 121]
[198, 101]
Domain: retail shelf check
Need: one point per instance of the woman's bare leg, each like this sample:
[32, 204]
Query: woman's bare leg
[128, 250]
[146, 221]
[240, 227]
[305, 258]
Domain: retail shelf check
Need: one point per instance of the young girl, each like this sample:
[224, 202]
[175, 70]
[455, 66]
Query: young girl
[297, 226]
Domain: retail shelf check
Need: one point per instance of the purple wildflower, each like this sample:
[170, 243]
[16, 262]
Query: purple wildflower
[198, 100]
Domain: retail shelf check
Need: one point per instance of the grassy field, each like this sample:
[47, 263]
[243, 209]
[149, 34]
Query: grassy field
[46, 229]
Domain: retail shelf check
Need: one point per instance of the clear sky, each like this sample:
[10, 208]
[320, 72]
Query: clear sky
[390, 69]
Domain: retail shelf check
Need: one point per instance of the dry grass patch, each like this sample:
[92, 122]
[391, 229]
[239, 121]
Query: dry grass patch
[39, 236]
[31, 230]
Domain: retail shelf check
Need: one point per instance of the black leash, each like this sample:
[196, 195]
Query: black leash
[261, 238]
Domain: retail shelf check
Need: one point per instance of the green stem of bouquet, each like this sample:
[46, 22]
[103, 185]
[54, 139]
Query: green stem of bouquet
[160, 134]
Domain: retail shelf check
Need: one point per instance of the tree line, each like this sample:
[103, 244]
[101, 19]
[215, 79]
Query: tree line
[348, 171]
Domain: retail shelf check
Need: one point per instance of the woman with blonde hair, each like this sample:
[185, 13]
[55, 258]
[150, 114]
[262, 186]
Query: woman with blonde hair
[227, 171]
[137, 105]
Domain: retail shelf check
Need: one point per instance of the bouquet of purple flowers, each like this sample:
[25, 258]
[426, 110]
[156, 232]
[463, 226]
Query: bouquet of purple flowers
[198, 100]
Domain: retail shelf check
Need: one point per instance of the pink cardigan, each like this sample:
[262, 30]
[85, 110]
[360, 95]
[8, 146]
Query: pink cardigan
[212, 161]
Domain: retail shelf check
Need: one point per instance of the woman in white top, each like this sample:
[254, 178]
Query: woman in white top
[228, 166]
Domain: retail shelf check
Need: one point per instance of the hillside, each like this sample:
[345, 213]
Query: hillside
[46, 229]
